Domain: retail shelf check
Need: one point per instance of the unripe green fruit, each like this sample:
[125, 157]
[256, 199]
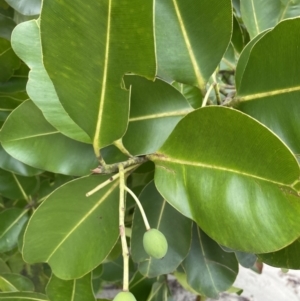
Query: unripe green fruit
[124, 296]
[155, 243]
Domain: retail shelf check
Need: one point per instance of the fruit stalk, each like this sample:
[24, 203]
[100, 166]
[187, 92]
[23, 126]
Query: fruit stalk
[125, 251]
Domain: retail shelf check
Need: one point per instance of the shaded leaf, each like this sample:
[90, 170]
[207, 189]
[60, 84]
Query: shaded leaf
[15, 186]
[4, 268]
[140, 286]
[275, 101]
[9, 163]
[61, 231]
[159, 292]
[11, 223]
[27, 45]
[254, 13]
[103, 49]
[156, 107]
[229, 184]
[175, 227]
[70, 290]
[28, 137]
[209, 269]
[193, 49]
[287, 257]
[14, 283]
[20, 296]
[26, 7]
[8, 60]
[6, 27]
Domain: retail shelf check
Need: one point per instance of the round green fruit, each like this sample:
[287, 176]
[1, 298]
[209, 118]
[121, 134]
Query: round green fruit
[124, 296]
[155, 243]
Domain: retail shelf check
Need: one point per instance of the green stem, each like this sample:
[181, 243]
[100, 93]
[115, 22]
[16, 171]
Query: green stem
[121, 147]
[207, 95]
[111, 179]
[140, 207]
[125, 251]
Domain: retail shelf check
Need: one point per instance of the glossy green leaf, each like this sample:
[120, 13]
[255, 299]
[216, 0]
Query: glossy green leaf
[4, 268]
[238, 38]
[71, 232]
[6, 27]
[287, 257]
[191, 93]
[234, 177]
[193, 47]
[104, 48]
[29, 138]
[9, 163]
[156, 107]
[175, 227]
[14, 283]
[15, 186]
[244, 57]
[26, 7]
[210, 270]
[11, 223]
[269, 91]
[27, 45]
[20, 296]
[70, 290]
[260, 15]
[8, 60]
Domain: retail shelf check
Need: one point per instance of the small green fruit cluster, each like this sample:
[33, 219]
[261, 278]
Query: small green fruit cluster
[124, 296]
[155, 243]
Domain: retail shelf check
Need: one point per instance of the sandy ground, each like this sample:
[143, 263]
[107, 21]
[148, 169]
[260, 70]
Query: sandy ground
[271, 285]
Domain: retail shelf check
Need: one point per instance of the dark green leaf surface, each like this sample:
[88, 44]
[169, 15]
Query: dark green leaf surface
[191, 93]
[260, 15]
[287, 257]
[22, 296]
[270, 87]
[234, 177]
[140, 286]
[70, 290]
[9, 163]
[156, 107]
[14, 283]
[175, 227]
[6, 27]
[210, 270]
[11, 223]
[27, 45]
[28, 137]
[26, 7]
[159, 292]
[15, 186]
[71, 232]
[8, 60]
[193, 47]
[104, 47]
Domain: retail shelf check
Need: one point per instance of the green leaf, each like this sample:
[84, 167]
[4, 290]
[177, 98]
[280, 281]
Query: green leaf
[15, 186]
[156, 107]
[6, 27]
[11, 223]
[9, 163]
[29, 138]
[191, 93]
[159, 292]
[14, 283]
[209, 269]
[274, 100]
[235, 175]
[8, 60]
[193, 49]
[104, 48]
[4, 268]
[260, 15]
[238, 38]
[70, 290]
[27, 45]
[287, 257]
[244, 57]
[140, 286]
[26, 7]
[175, 227]
[71, 232]
[20, 296]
